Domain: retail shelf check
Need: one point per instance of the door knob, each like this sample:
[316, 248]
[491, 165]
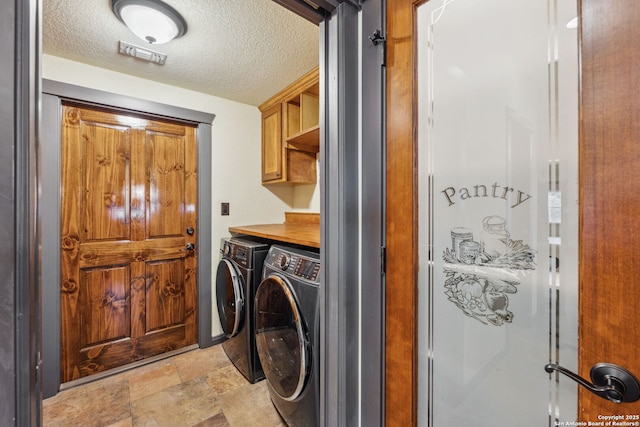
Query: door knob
[190, 231]
[190, 246]
[609, 381]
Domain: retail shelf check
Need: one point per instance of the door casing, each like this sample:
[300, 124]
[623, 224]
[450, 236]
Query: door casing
[28, 83]
[19, 285]
[609, 206]
[352, 197]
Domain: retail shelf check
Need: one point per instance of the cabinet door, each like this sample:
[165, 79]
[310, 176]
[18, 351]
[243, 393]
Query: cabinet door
[272, 150]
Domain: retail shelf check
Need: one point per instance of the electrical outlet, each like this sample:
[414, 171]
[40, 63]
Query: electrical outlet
[224, 208]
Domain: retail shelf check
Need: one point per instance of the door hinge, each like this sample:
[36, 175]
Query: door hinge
[383, 260]
[379, 40]
[38, 367]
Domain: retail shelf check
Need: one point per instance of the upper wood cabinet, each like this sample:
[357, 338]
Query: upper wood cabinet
[291, 133]
[272, 143]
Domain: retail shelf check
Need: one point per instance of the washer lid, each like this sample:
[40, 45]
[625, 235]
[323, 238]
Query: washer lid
[281, 338]
[229, 297]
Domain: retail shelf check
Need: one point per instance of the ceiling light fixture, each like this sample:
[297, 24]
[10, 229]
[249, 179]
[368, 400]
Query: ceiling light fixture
[152, 20]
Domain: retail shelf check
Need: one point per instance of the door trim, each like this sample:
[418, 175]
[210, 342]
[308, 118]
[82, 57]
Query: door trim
[340, 315]
[401, 210]
[53, 93]
[608, 205]
[152, 109]
[352, 220]
[373, 195]
[20, 286]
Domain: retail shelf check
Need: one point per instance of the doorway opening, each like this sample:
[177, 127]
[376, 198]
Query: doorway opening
[235, 137]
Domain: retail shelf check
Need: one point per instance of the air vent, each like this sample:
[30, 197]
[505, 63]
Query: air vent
[142, 53]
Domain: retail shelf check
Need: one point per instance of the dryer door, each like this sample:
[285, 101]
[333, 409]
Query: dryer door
[229, 297]
[281, 338]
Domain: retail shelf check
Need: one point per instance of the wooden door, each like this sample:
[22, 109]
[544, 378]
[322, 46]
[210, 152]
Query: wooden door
[609, 206]
[128, 285]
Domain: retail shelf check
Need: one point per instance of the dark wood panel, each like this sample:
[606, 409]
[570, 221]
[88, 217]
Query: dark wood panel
[69, 243]
[106, 313]
[126, 251]
[139, 190]
[609, 205]
[165, 299]
[165, 196]
[138, 307]
[401, 222]
[105, 181]
[103, 357]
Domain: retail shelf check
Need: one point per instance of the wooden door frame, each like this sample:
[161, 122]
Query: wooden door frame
[609, 154]
[53, 93]
[401, 362]
[602, 77]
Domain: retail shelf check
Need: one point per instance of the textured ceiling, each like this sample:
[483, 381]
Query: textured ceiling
[242, 50]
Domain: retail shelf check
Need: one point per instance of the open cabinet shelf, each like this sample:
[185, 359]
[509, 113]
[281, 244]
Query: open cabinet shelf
[308, 139]
[291, 133]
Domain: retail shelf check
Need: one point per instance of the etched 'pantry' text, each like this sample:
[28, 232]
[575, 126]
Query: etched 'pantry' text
[496, 191]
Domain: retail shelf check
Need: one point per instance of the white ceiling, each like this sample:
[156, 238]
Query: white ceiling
[242, 50]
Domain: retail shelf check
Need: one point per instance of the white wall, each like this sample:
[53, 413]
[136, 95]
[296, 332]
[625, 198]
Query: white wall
[236, 148]
[306, 198]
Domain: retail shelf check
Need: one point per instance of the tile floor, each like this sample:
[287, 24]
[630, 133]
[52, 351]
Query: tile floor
[200, 388]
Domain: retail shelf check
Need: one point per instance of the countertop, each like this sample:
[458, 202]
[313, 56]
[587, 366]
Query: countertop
[300, 228]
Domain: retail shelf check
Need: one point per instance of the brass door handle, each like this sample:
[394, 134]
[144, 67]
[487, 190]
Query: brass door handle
[609, 381]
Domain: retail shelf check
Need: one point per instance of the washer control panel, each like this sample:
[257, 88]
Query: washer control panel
[294, 262]
[285, 261]
[307, 268]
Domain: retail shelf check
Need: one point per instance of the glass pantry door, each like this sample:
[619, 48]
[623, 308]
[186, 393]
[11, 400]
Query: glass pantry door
[497, 146]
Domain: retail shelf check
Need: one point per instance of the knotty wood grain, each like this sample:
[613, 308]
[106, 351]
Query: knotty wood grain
[128, 284]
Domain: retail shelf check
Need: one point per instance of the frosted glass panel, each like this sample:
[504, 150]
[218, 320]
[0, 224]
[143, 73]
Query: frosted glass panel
[497, 147]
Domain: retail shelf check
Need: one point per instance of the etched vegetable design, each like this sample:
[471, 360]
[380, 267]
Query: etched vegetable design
[479, 279]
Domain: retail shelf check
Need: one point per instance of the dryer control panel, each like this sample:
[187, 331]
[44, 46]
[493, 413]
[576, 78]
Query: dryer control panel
[241, 251]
